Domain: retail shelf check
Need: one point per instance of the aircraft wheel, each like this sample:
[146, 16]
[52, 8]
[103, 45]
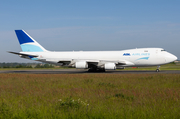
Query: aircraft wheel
[102, 70]
[92, 70]
[157, 70]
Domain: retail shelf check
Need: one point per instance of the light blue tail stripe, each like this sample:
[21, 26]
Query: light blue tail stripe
[30, 48]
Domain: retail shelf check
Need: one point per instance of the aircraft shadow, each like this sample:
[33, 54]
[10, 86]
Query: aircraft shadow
[80, 72]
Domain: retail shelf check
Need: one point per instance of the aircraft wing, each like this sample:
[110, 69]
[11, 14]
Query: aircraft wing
[97, 63]
[92, 63]
[72, 62]
[125, 62]
[117, 62]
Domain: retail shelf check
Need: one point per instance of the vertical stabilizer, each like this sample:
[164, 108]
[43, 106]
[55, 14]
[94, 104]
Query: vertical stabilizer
[27, 43]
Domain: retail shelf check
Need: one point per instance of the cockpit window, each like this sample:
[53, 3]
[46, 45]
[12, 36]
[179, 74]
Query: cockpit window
[163, 50]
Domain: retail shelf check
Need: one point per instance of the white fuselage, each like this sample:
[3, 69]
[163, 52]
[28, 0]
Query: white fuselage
[132, 57]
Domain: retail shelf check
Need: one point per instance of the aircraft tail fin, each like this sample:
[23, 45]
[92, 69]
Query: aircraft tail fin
[27, 43]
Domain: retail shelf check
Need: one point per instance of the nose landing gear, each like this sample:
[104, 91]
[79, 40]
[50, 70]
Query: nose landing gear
[158, 70]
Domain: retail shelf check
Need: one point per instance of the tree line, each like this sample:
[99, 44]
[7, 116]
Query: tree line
[25, 65]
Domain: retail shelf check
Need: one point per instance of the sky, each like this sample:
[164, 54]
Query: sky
[90, 25]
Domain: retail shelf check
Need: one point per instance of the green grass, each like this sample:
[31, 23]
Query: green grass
[152, 96]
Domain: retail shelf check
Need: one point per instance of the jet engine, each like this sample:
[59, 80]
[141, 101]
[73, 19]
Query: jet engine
[81, 65]
[110, 66]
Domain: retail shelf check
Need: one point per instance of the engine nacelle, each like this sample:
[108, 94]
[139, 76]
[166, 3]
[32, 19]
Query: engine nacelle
[81, 65]
[110, 66]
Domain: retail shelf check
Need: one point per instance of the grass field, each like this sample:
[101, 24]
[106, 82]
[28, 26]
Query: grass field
[99, 96]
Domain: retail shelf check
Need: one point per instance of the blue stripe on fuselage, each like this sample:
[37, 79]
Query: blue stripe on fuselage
[32, 58]
[146, 58]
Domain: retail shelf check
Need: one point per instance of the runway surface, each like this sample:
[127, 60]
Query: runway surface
[78, 71]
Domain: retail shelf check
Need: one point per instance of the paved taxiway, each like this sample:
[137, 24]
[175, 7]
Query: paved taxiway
[78, 71]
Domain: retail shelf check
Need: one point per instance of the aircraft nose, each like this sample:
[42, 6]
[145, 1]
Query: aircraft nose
[170, 58]
[175, 58]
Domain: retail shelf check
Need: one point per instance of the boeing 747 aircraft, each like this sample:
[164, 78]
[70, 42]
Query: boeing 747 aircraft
[93, 60]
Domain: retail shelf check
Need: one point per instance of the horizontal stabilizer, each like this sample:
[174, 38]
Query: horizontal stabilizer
[23, 54]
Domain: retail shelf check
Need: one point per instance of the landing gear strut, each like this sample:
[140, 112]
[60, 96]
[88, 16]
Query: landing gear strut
[158, 70]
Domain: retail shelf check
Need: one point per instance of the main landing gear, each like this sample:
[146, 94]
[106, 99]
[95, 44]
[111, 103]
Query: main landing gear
[158, 70]
[96, 70]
